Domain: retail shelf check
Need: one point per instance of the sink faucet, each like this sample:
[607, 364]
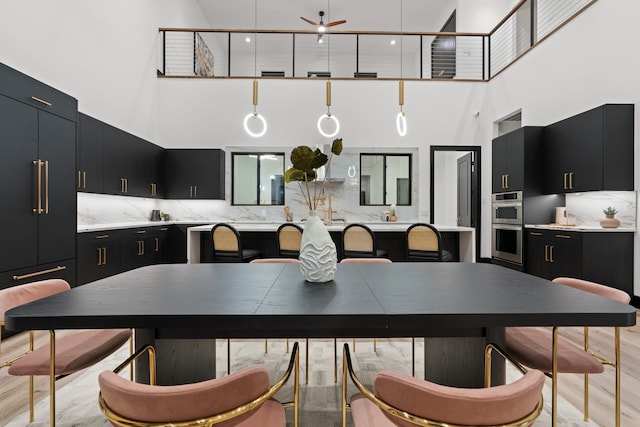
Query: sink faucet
[329, 213]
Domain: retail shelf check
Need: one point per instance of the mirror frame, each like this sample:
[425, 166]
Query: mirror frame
[385, 202]
[258, 155]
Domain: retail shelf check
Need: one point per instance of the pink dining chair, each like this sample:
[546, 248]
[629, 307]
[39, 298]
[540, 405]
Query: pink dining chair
[401, 400]
[244, 398]
[71, 353]
[544, 349]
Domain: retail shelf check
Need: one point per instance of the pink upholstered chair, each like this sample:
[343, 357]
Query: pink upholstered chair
[73, 352]
[243, 398]
[535, 348]
[402, 400]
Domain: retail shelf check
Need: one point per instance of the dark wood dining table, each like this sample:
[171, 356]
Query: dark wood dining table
[457, 307]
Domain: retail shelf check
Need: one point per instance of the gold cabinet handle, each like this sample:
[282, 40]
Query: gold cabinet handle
[546, 253]
[103, 236]
[141, 231]
[571, 180]
[84, 180]
[535, 233]
[564, 185]
[39, 273]
[551, 253]
[42, 101]
[79, 179]
[563, 236]
[506, 181]
[99, 256]
[46, 186]
[195, 191]
[104, 256]
[157, 245]
[38, 208]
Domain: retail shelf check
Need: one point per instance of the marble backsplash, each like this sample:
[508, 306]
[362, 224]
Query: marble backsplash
[586, 208]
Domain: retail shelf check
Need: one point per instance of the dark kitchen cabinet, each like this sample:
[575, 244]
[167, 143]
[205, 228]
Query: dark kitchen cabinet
[516, 159]
[145, 246]
[602, 257]
[591, 151]
[112, 161]
[99, 255]
[194, 173]
[37, 171]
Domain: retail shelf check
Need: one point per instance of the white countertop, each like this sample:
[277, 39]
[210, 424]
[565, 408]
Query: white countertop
[375, 226]
[258, 226]
[582, 228]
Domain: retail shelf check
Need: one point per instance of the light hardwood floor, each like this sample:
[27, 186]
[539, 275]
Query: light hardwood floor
[14, 390]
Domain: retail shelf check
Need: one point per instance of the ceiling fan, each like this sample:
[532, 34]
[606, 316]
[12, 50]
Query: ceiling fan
[322, 27]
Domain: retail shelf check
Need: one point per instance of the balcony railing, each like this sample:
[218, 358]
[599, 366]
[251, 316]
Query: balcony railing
[224, 53]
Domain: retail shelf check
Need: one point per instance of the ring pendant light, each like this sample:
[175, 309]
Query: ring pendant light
[255, 115]
[401, 119]
[328, 117]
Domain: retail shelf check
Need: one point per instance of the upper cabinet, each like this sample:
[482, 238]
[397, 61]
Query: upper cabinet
[194, 173]
[516, 160]
[37, 164]
[591, 151]
[112, 161]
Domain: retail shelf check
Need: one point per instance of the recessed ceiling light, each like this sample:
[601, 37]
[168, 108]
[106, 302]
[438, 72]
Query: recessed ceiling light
[393, 42]
[247, 40]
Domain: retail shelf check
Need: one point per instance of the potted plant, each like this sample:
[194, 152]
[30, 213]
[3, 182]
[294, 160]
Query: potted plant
[306, 163]
[318, 256]
[610, 220]
[393, 216]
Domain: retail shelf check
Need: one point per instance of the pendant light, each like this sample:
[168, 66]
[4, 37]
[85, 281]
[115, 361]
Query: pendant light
[328, 117]
[401, 120]
[255, 115]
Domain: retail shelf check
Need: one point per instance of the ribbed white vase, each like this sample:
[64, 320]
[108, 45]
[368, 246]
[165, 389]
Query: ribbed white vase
[318, 257]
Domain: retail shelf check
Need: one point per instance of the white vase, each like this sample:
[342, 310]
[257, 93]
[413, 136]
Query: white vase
[318, 257]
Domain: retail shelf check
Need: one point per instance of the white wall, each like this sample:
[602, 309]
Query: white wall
[104, 53]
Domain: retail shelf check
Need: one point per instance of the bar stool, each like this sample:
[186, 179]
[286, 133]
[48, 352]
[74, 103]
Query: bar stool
[227, 245]
[289, 237]
[359, 241]
[424, 243]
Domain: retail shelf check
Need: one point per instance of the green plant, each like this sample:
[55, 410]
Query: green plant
[610, 211]
[306, 163]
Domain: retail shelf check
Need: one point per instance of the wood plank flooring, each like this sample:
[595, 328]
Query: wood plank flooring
[14, 390]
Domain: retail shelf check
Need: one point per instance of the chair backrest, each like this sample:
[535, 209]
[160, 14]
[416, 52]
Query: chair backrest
[499, 405]
[423, 237]
[274, 261]
[289, 238]
[365, 260]
[225, 238]
[595, 288]
[358, 238]
[22, 294]
[166, 404]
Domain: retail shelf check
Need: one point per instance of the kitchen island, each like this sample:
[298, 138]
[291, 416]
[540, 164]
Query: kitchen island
[389, 236]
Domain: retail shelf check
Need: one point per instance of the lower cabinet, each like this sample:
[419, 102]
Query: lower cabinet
[105, 253]
[602, 257]
[65, 269]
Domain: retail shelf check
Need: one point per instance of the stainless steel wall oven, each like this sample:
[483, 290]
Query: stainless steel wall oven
[507, 227]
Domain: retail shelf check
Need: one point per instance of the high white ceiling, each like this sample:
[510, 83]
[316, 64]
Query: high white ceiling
[361, 15]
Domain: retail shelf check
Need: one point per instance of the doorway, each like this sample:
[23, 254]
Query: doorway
[447, 181]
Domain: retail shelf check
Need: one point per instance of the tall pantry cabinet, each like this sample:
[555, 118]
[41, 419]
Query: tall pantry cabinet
[37, 176]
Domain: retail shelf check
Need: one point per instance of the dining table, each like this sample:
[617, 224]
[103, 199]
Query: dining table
[182, 309]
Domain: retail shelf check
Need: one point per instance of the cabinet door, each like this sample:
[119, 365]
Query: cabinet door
[157, 184]
[556, 151]
[90, 154]
[499, 163]
[514, 163]
[116, 161]
[178, 171]
[208, 174]
[18, 150]
[99, 255]
[536, 253]
[565, 255]
[585, 157]
[57, 225]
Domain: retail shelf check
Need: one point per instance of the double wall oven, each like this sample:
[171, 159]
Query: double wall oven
[507, 227]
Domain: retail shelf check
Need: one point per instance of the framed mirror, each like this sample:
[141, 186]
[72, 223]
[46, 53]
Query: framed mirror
[257, 179]
[385, 179]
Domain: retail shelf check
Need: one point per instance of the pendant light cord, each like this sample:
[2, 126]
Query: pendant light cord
[255, 54]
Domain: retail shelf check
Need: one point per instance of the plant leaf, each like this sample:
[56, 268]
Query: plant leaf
[319, 160]
[293, 174]
[336, 146]
[302, 158]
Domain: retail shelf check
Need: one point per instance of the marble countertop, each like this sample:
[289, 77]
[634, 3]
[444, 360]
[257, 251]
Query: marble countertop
[581, 228]
[258, 225]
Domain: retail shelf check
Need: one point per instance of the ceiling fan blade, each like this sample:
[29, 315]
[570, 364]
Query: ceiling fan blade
[309, 21]
[334, 23]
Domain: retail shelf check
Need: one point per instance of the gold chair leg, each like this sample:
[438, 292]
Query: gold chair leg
[335, 361]
[375, 346]
[266, 346]
[228, 356]
[131, 369]
[287, 345]
[31, 385]
[306, 362]
[554, 379]
[52, 378]
[618, 373]
[344, 391]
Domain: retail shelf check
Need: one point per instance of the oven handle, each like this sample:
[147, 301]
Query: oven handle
[507, 227]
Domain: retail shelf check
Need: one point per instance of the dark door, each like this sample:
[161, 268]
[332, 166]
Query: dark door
[465, 171]
[90, 140]
[586, 139]
[57, 226]
[18, 150]
[178, 174]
